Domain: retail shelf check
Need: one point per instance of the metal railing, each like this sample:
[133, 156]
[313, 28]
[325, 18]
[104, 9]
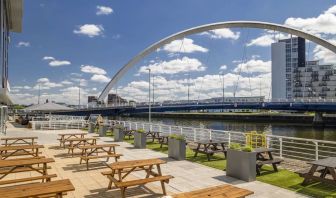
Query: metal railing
[285, 147]
[58, 124]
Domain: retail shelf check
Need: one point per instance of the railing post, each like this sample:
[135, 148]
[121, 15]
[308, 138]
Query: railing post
[316, 150]
[181, 129]
[194, 135]
[160, 128]
[229, 140]
[169, 130]
[210, 134]
[136, 126]
[280, 152]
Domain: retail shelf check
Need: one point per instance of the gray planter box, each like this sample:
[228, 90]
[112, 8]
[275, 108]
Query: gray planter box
[102, 130]
[140, 140]
[241, 165]
[91, 128]
[118, 134]
[176, 149]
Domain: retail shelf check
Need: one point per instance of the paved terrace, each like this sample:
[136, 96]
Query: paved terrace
[188, 176]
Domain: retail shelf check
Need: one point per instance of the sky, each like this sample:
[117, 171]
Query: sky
[67, 46]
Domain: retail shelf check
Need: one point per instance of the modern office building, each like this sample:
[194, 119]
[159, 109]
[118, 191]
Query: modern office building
[115, 100]
[92, 99]
[10, 21]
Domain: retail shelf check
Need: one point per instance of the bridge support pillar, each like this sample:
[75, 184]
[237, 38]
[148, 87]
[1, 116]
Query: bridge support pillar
[318, 118]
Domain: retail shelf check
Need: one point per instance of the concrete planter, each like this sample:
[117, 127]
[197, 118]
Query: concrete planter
[176, 149]
[91, 128]
[241, 165]
[118, 134]
[103, 130]
[139, 140]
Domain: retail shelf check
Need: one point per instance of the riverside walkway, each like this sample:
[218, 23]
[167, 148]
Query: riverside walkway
[188, 176]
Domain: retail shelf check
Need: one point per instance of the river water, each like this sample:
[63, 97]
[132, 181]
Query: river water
[283, 129]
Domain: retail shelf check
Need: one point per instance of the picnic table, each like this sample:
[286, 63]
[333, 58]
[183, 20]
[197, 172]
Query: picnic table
[264, 156]
[66, 136]
[92, 152]
[76, 142]
[325, 167]
[163, 140]
[222, 191]
[10, 141]
[48, 189]
[154, 135]
[32, 150]
[210, 147]
[127, 167]
[25, 165]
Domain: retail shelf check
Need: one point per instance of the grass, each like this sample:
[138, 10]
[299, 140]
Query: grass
[284, 178]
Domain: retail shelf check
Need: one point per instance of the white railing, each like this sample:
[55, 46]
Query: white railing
[285, 147]
[57, 117]
[58, 124]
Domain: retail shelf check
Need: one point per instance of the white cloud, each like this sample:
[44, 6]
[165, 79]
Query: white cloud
[267, 39]
[66, 82]
[92, 69]
[223, 33]
[223, 67]
[186, 45]
[104, 10]
[100, 78]
[23, 44]
[90, 30]
[56, 63]
[174, 66]
[324, 54]
[45, 83]
[325, 23]
[253, 65]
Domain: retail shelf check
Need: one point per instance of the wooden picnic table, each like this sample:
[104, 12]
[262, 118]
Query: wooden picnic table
[10, 141]
[222, 191]
[65, 136]
[153, 135]
[32, 150]
[76, 142]
[25, 165]
[326, 166]
[263, 159]
[92, 152]
[163, 140]
[210, 147]
[116, 176]
[48, 189]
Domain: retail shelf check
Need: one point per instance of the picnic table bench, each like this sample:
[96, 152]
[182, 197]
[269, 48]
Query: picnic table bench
[25, 165]
[222, 191]
[265, 160]
[127, 167]
[209, 148]
[154, 135]
[65, 136]
[32, 150]
[11, 141]
[91, 152]
[76, 142]
[163, 140]
[49, 189]
[324, 167]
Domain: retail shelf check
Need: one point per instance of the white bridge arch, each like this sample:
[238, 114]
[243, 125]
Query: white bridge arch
[212, 26]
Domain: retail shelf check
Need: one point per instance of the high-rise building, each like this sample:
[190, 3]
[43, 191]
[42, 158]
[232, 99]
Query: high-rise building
[115, 100]
[295, 78]
[10, 21]
[92, 99]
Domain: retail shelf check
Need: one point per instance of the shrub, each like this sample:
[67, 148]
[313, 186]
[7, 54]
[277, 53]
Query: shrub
[247, 149]
[177, 137]
[235, 146]
[140, 131]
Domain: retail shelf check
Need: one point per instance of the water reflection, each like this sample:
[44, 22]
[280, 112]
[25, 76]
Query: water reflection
[292, 130]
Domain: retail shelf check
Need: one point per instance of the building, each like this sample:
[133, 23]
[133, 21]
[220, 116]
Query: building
[115, 100]
[92, 99]
[287, 56]
[10, 21]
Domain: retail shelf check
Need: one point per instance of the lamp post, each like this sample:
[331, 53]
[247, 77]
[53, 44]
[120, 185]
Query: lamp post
[149, 95]
[223, 90]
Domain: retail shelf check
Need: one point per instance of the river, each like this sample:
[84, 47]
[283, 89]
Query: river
[283, 129]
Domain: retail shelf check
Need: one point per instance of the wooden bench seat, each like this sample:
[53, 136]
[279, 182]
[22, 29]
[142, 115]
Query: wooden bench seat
[53, 188]
[19, 153]
[137, 182]
[43, 177]
[273, 162]
[123, 171]
[302, 172]
[21, 169]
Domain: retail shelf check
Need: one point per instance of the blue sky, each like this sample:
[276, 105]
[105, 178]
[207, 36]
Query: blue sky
[66, 42]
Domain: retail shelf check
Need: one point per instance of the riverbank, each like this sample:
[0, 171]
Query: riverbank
[274, 117]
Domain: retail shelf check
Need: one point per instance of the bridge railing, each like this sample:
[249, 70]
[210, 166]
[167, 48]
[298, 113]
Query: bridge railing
[285, 147]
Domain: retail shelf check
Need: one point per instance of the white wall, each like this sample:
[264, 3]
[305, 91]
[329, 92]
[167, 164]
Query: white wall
[278, 70]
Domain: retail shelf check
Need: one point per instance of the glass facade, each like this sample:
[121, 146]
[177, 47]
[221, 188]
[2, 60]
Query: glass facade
[4, 41]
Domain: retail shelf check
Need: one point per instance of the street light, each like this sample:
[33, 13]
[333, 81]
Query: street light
[223, 89]
[149, 95]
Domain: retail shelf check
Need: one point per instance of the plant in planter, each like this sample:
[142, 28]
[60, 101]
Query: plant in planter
[177, 147]
[241, 162]
[140, 139]
[118, 133]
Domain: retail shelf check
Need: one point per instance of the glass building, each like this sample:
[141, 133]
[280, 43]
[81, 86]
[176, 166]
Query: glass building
[10, 21]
